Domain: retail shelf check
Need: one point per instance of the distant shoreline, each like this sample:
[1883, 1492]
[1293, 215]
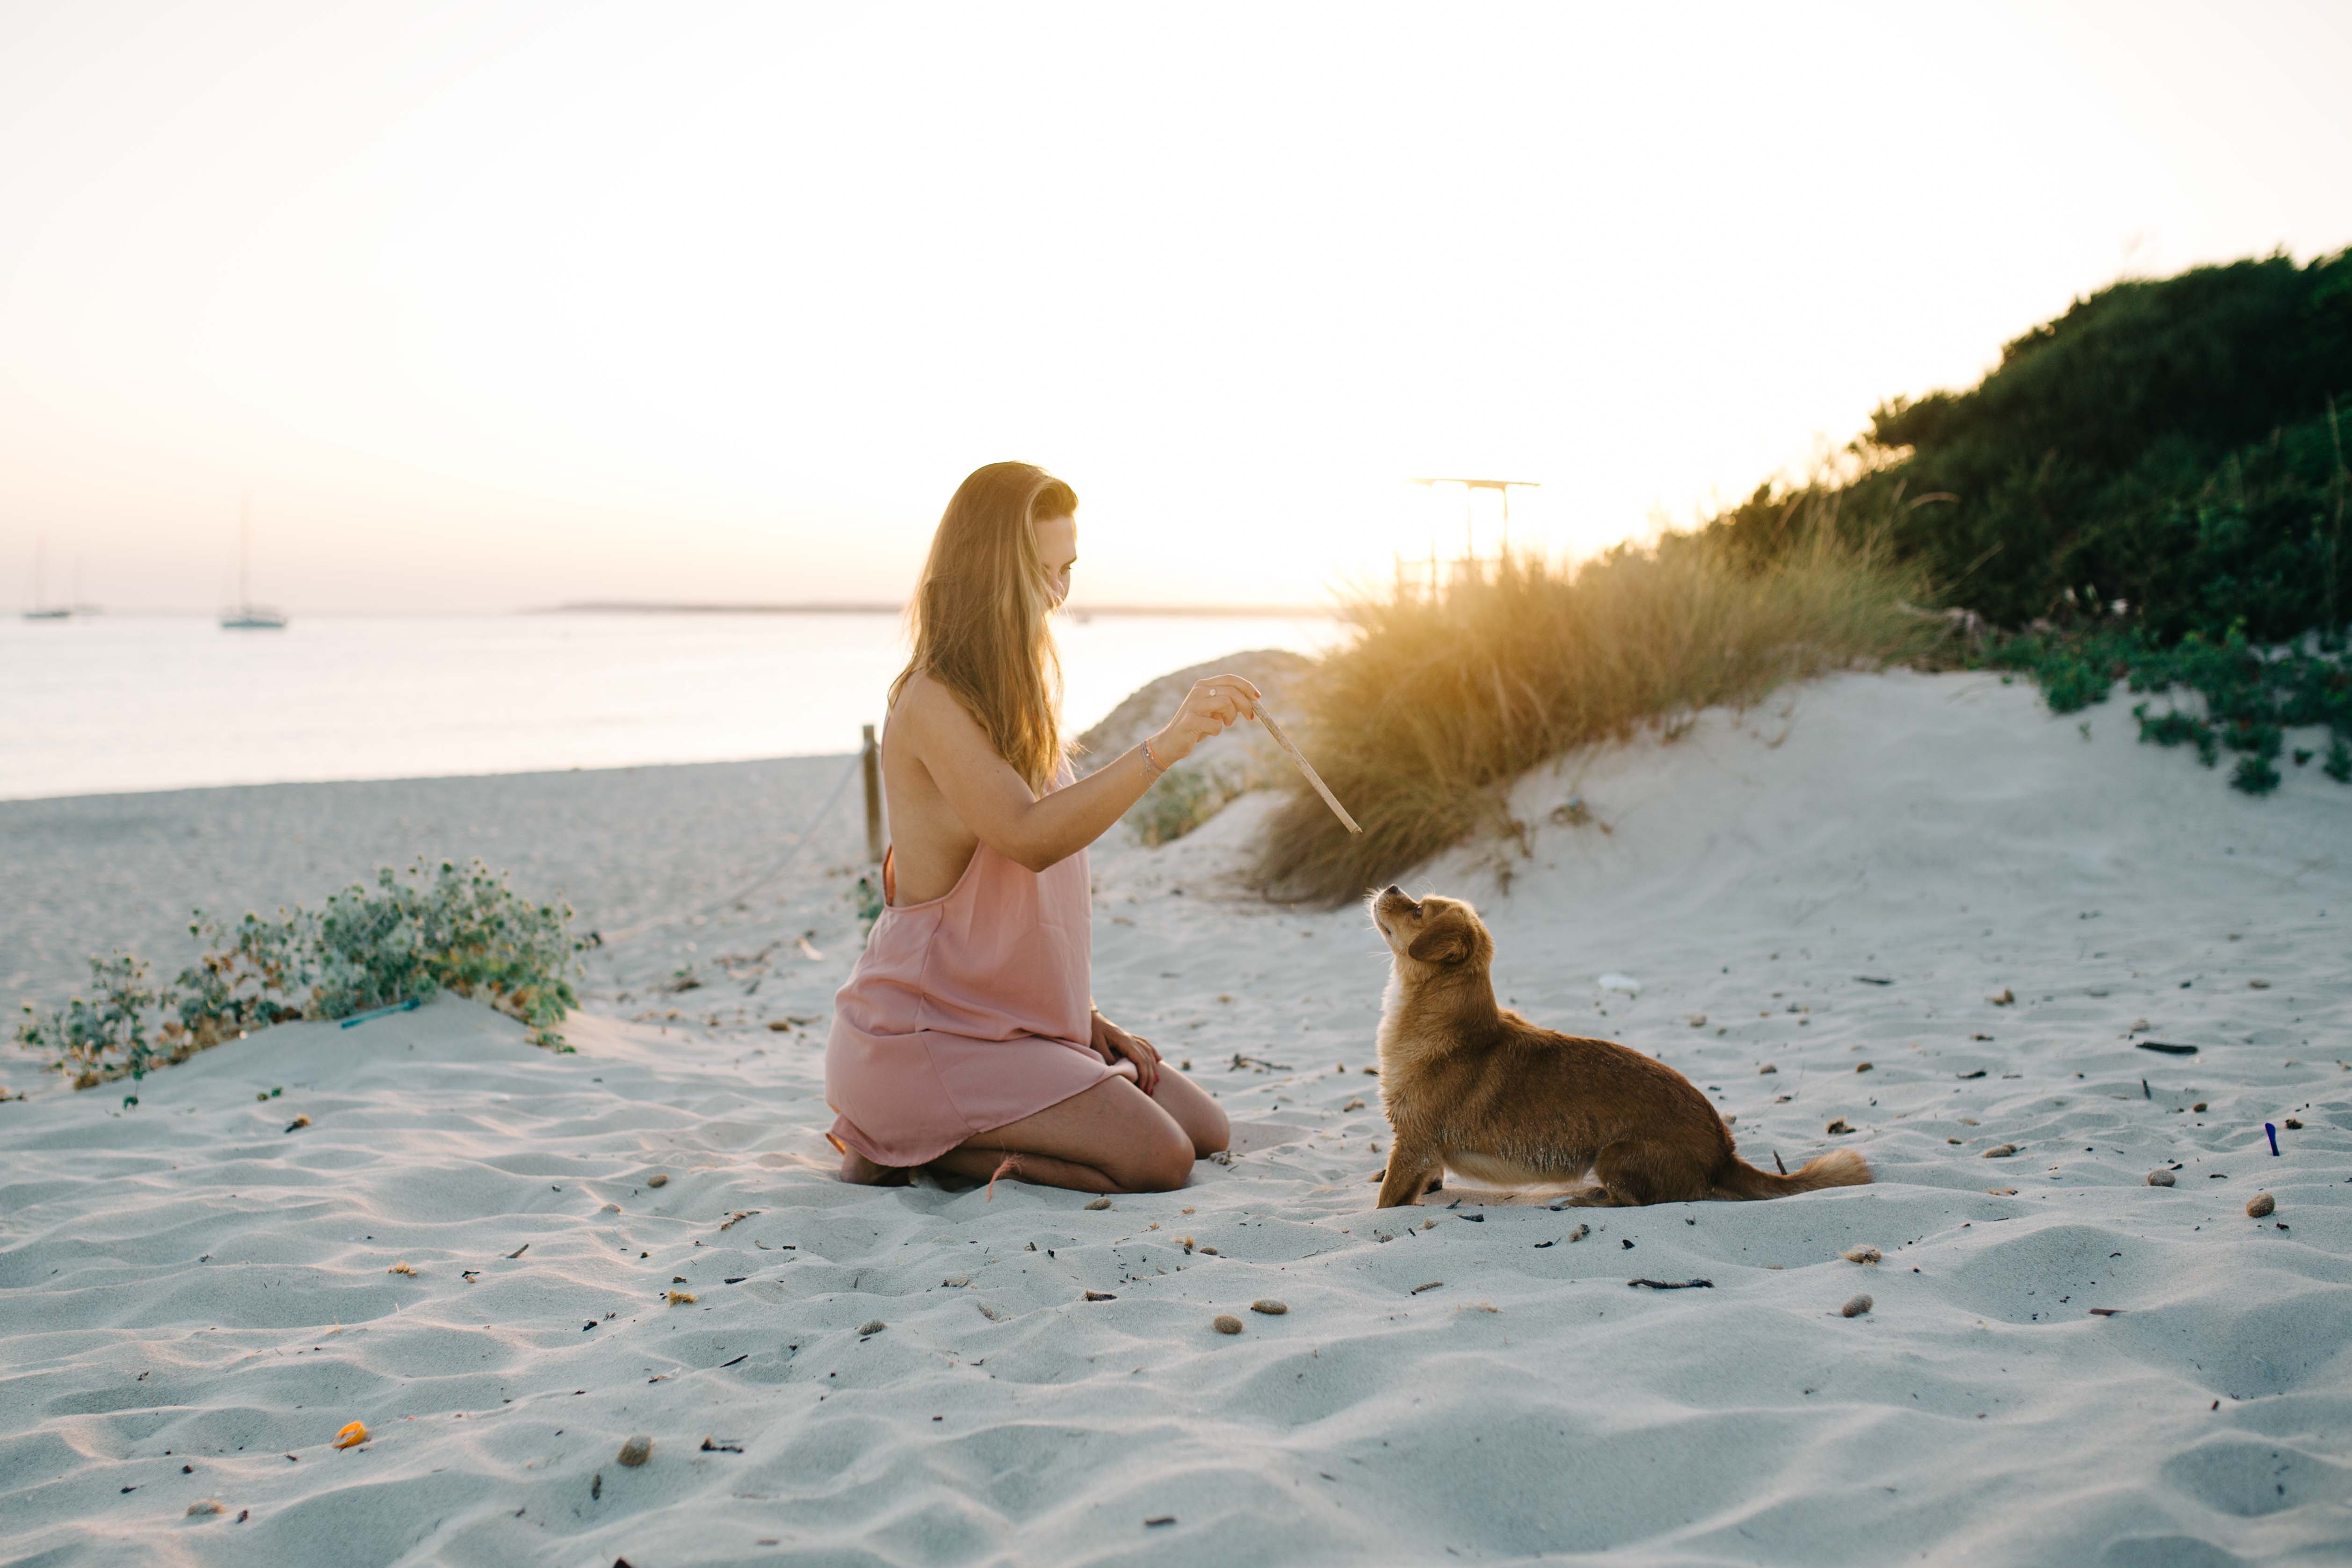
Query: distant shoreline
[637, 607]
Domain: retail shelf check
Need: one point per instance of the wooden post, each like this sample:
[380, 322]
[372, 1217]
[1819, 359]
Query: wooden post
[873, 797]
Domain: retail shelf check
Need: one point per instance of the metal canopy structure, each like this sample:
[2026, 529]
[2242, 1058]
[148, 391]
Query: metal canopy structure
[1500, 486]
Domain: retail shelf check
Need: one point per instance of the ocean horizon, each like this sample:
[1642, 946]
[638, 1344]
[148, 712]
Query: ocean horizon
[132, 703]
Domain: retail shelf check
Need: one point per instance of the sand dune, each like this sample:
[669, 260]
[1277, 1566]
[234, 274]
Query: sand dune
[196, 1298]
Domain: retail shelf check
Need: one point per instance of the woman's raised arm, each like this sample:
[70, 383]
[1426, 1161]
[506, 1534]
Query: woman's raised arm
[996, 804]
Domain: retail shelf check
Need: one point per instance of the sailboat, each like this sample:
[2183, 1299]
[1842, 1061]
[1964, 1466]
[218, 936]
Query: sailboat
[42, 609]
[248, 616]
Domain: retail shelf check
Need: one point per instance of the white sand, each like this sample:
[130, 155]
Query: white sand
[187, 1283]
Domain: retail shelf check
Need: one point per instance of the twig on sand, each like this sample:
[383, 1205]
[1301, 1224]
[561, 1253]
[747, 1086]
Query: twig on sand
[1672, 1284]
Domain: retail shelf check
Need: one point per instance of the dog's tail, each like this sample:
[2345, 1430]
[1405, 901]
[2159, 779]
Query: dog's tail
[1839, 1167]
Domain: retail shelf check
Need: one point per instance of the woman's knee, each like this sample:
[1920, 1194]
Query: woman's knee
[1210, 1129]
[1203, 1120]
[1159, 1160]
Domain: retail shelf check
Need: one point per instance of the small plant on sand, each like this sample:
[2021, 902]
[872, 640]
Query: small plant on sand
[2247, 696]
[111, 1023]
[1443, 698]
[400, 940]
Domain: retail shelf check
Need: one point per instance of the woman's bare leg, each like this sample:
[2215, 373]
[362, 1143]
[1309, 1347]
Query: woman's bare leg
[1202, 1119]
[1109, 1138]
[856, 1168]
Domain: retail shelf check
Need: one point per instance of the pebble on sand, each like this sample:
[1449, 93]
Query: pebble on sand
[659, 1178]
[204, 1505]
[1864, 1066]
[1768, 1067]
[1837, 1127]
[1225, 1323]
[2160, 1178]
[636, 1451]
[1856, 1307]
[1269, 1306]
[1100, 1203]
[2000, 1151]
[871, 1326]
[2291, 1125]
[2261, 1205]
[1861, 1254]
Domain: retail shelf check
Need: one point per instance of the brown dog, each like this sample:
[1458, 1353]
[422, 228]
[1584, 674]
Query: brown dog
[1476, 1087]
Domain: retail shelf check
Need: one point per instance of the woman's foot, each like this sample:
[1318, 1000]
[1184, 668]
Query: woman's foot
[859, 1171]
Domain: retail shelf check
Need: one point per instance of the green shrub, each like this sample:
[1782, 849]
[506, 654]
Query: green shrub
[401, 940]
[2251, 697]
[1183, 798]
[2175, 445]
[83, 1033]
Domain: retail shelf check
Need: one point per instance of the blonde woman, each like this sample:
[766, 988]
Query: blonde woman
[967, 1033]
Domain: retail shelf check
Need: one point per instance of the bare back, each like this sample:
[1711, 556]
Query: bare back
[931, 844]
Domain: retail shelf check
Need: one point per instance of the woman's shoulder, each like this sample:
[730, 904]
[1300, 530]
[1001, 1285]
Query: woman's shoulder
[924, 705]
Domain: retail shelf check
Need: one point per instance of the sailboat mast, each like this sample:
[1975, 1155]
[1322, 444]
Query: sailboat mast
[244, 551]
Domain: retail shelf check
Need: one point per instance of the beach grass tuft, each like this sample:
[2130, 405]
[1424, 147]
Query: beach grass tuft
[1444, 695]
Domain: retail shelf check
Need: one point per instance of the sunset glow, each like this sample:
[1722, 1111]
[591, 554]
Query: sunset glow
[495, 306]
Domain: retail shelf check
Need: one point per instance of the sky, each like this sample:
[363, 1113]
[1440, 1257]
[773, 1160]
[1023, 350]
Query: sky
[491, 306]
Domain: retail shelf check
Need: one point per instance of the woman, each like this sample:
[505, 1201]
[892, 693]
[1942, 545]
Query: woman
[965, 1039]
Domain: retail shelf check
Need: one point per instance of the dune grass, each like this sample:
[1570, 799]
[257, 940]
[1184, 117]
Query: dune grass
[1420, 722]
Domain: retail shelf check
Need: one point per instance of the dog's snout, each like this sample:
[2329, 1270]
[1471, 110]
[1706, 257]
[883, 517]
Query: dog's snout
[1393, 890]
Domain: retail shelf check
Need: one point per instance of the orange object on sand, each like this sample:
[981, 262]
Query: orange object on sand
[352, 1436]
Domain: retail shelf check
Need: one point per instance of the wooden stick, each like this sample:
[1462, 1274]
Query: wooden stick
[1306, 767]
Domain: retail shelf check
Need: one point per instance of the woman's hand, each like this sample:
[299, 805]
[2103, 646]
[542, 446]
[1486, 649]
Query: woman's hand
[1210, 707]
[1115, 1045]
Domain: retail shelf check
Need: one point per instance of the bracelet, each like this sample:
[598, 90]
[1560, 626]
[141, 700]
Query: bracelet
[1153, 767]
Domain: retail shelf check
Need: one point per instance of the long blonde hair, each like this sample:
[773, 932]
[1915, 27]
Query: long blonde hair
[978, 620]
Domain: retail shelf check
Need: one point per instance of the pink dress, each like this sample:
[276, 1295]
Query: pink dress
[966, 1012]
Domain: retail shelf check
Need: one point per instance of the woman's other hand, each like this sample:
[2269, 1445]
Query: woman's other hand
[1210, 707]
[1115, 1045]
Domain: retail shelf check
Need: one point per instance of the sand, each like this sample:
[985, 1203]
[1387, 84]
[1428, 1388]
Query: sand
[188, 1283]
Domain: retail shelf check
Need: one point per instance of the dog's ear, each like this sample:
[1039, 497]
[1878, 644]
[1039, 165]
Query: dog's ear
[1447, 941]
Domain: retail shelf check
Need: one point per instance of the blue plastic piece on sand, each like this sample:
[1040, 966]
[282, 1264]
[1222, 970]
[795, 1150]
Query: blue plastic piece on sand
[2274, 1137]
[410, 1006]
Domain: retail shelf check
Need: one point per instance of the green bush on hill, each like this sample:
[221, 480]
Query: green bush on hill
[2174, 446]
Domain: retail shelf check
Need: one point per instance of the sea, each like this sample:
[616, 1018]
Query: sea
[107, 704]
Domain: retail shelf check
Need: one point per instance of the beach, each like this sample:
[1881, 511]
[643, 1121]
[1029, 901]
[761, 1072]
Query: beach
[1918, 908]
